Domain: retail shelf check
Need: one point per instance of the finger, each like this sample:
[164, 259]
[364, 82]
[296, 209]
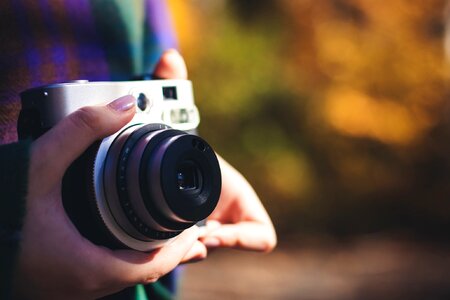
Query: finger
[53, 152]
[140, 267]
[196, 253]
[171, 66]
[210, 226]
[244, 235]
[238, 200]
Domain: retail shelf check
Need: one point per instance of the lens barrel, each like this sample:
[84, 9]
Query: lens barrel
[159, 181]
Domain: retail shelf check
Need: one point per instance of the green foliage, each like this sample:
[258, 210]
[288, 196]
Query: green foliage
[334, 110]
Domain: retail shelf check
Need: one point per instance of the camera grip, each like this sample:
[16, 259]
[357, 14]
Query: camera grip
[78, 197]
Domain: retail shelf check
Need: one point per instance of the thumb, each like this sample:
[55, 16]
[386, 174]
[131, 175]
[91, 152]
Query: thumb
[54, 151]
[142, 267]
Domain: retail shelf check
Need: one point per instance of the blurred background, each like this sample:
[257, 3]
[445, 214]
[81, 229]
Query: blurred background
[337, 111]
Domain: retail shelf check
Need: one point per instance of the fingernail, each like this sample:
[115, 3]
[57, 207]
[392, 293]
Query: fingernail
[123, 103]
[211, 242]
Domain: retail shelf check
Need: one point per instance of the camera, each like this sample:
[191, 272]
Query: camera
[143, 185]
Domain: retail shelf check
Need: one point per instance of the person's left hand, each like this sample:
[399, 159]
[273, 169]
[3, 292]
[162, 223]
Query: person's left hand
[239, 220]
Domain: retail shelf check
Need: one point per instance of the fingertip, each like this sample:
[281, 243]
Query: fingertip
[194, 230]
[210, 226]
[213, 224]
[272, 242]
[171, 65]
[188, 236]
[211, 242]
[197, 253]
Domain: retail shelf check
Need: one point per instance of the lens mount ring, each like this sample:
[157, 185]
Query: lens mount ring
[122, 186]
[103, 199]
[149, 186]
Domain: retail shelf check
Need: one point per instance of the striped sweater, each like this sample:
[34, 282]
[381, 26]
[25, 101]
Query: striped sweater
[48, 41]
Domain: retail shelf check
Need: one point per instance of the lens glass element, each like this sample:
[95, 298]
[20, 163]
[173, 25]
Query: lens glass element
[159, 181]
[187, 176]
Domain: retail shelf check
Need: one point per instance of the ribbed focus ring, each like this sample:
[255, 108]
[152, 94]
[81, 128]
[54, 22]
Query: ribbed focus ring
[122, 186]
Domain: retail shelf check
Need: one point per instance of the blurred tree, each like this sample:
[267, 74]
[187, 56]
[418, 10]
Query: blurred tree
[336, 110]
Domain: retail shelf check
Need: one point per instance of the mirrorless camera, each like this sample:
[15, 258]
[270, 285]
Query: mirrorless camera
[143, 185]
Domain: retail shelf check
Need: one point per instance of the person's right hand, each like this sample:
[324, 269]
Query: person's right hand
[55, 261]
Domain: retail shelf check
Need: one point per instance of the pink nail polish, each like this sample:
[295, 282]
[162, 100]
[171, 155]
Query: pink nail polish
[123, 103]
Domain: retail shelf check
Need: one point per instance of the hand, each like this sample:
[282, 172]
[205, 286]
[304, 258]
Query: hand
[55, 261]
[239, 220]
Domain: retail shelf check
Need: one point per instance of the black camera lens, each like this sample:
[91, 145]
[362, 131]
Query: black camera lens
[188, 175]
[158, 181]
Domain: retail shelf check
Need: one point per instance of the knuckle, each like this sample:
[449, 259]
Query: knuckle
[151, 279]
[86, 118]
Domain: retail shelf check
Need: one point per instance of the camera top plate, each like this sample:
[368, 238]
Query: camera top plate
[167, 101]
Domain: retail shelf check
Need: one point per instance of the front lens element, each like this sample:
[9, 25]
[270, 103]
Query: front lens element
[187, 176]
[161, 181]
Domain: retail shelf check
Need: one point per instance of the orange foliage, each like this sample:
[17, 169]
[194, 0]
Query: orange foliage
[356, 114]
[388, 57]
[336, 110]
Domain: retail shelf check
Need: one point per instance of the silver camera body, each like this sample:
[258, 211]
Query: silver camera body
[143, 185]
[167, 101]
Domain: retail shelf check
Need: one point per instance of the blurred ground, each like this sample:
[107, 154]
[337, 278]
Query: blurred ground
[370, 267]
